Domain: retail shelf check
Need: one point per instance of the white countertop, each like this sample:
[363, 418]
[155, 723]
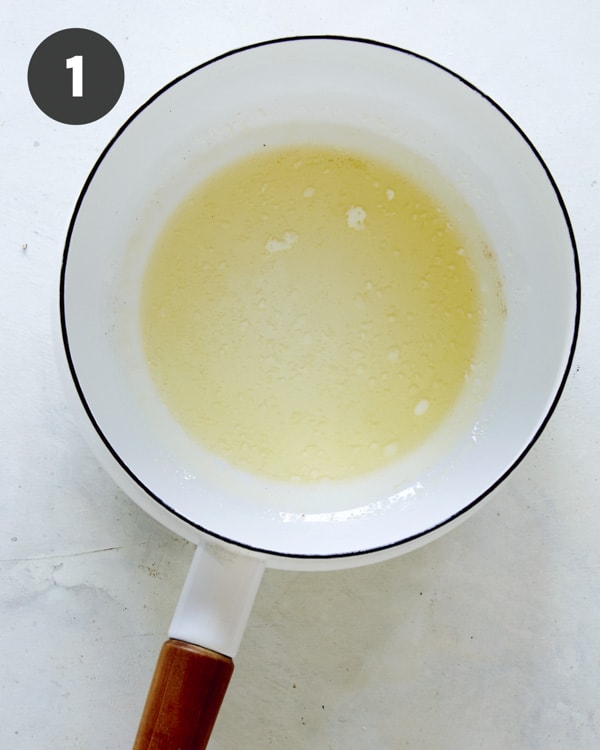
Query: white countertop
[489, 637]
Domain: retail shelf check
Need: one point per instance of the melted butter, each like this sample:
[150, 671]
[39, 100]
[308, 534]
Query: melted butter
[310, 313]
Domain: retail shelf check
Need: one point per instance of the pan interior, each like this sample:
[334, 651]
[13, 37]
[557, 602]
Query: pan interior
[400, 108]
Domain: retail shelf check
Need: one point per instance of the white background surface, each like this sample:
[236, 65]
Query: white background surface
[488, 638]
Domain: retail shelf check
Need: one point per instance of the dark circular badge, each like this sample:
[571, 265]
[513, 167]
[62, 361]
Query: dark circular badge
[75, 76]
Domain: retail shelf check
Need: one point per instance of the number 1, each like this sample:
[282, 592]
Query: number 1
[76, 65]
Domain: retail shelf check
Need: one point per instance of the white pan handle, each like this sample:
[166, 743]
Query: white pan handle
[195, 664]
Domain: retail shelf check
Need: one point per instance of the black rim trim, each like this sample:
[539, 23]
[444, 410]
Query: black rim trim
[138, 481]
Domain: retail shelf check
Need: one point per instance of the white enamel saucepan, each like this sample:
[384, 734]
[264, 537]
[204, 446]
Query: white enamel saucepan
[349, 92]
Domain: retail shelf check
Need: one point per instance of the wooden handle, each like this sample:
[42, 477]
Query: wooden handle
[184, 698]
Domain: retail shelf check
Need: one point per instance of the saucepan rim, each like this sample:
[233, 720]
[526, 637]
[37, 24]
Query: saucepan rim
[139, 481]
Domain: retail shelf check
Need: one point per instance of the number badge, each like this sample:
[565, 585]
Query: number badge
[75, 76]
